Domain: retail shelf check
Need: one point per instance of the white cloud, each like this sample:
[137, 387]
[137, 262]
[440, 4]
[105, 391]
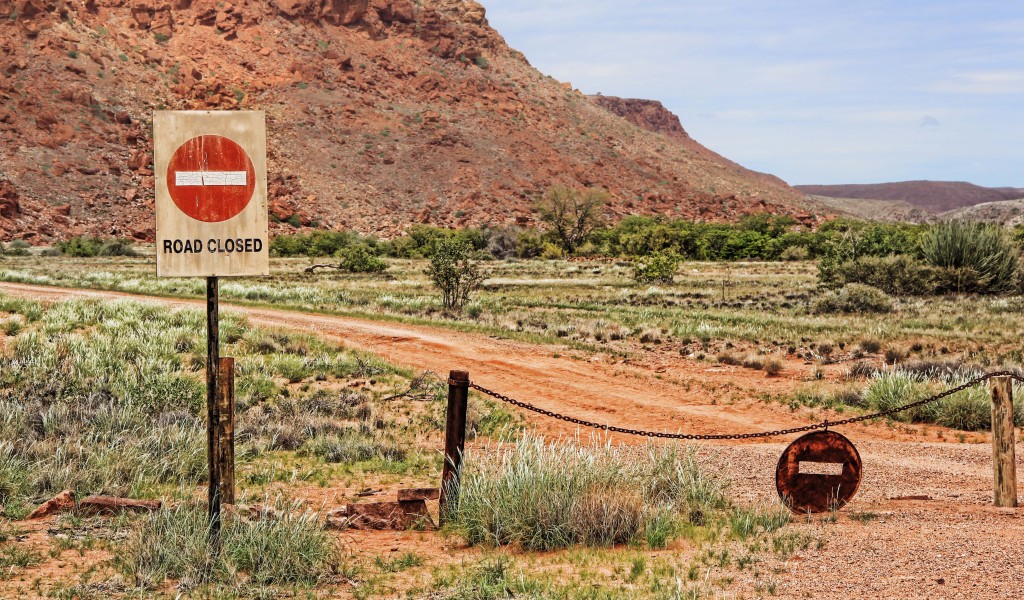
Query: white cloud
[982, 82]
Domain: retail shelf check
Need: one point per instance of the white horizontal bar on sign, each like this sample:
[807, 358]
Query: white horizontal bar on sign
[187, 178]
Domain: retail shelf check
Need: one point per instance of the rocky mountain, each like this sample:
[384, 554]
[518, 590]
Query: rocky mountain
[380, 113]
[932, 196]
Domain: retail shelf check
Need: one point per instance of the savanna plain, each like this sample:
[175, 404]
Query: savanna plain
[341, 389]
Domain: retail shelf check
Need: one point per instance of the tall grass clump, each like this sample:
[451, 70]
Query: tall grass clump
[972, 257]
[292, 550]
[544, 495]
[967, 410]
[895, 387]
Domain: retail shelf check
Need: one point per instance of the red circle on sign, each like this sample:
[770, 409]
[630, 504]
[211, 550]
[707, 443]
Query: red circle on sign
[210, 178]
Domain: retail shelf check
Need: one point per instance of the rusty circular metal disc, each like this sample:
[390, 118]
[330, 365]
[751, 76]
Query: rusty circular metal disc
[820, 484]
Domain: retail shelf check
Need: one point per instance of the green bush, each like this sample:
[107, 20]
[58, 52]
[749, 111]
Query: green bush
[15, 248]
[360, 258]
[899, 275]
[87, 246]
[659, 267]
[795, 253]
[972, 258]
[855, 298]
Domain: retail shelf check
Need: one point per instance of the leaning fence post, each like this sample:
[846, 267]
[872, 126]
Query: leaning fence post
[1003, 460]
[454, 439]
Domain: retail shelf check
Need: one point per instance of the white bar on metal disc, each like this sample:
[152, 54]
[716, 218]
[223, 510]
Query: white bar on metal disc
[810, 467]
[187, 178]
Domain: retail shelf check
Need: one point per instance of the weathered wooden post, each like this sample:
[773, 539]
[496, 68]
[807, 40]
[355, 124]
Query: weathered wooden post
[212, 405]
[454, 439]
[1003, 460]
[226, 429]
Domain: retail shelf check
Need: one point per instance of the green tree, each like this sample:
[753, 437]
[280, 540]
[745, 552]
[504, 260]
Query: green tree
[572, 214]
[453, 272]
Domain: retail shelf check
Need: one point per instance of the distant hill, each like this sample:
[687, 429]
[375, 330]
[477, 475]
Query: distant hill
[1005, 212]
[872, 210]
[932, 196]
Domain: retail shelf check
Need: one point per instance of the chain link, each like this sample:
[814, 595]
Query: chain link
[1016, 376]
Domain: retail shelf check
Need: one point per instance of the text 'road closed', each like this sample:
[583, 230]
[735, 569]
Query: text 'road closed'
[213, 246]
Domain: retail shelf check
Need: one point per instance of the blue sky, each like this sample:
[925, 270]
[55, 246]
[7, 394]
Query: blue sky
[814, 91]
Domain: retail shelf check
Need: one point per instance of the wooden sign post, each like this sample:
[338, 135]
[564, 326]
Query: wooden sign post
[211, 221]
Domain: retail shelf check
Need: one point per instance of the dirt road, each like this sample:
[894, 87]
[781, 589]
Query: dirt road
[676, 396]
[951, 545]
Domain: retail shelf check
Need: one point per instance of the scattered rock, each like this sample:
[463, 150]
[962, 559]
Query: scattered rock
[259, 512]
[59, 503]
[110, 505]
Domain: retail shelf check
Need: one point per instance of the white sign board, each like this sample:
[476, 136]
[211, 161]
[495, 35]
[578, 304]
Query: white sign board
[211, 193]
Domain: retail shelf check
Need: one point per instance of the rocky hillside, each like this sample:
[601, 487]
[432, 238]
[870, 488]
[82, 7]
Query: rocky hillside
[380, 113]
[932, 196]
[1005, 212]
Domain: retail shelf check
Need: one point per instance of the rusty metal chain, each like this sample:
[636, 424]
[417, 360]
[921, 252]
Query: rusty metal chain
[742, 436]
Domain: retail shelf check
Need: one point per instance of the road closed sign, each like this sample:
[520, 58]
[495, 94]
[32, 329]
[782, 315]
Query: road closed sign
[211, 193]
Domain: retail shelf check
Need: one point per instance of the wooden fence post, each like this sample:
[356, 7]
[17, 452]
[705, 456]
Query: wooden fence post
[1003, 460]
[454, 439]
[226, 429]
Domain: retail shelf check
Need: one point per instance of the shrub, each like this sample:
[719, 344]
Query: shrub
[972, 257]
[772, 367]
[15, 248]
[551, 251]
[545, 495]
[86, 246]
[659, 267]
[529, 245]
[794, 253]
[503, 242]
[855, 298]
[861, 368]
[453, 272]
[360, 258]
[899, 275]
[871, 346]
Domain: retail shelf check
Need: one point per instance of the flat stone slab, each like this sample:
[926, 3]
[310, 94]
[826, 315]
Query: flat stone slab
[398, 516]
[411, 494]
